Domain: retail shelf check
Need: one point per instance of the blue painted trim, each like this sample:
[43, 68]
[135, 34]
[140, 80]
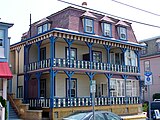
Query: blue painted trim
[38, 76]
[52, 84]
[85, 24]
[82, 34]
[90, 75]
[70, 86]
[124, 50]
[69, 74]
[125, 85]
[108, 76]
[52, 49]
[26, 78]
[108, 47]
[39, 45]
[138, 59]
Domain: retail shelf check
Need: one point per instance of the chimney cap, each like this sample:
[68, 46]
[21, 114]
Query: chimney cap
[84, 4]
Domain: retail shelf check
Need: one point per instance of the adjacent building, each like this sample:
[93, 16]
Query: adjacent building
[5, 73]
[58, 58]
[149, 61]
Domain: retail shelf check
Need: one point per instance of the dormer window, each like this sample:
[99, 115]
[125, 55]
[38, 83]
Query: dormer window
[88, 22]
[88, 25]
[43, 28]
[1, 38]
[122, 31]
[106, 28]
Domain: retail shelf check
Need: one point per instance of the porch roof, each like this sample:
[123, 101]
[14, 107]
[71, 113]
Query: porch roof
[5, 71]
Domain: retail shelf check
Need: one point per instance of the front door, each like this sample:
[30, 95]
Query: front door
[33, 88]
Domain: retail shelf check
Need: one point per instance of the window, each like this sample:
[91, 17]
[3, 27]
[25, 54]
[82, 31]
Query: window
[122, 33]
[20, 91]
[117, 88]
[88, 25]
[43, 28]
[107, 30]
[132, 88]
[43, 53]
[146, 65]
[73, 53]
[1, 38]
[130, 58]
[116, 58]
[158, 46]
[43, 88]
[97, 56]
[73, 87]
[143, 51]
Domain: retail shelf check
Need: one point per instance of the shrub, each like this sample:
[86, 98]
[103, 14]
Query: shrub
[156, 96]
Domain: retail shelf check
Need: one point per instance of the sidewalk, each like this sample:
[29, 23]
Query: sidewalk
[141, 116]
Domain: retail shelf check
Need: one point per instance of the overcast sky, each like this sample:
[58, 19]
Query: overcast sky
[18, 12]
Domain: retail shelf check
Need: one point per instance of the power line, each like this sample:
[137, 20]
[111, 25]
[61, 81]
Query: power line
[151, 25]
[136, 8]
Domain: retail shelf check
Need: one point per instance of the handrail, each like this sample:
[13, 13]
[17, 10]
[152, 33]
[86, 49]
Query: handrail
[13, 104]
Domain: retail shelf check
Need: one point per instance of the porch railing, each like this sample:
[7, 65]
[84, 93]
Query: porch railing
[82, 101]
[80, 64]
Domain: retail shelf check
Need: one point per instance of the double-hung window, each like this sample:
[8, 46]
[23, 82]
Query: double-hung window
[147, 66]
[97, 56]
[107, 30]
[1, 38]
[122, 31]
[88, 25]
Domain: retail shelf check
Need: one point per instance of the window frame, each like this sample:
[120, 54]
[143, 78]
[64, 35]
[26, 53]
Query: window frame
[66, 53]
[20, 91]
[42, 28]
[104, 30]
[67, 86]
[85, 25]
[44, 51]
[120, 31]
[2, 31]
[44, 89]
[145, 67]
[94, 51]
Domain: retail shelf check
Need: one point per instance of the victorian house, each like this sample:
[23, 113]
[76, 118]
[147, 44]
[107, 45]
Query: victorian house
[61, 54]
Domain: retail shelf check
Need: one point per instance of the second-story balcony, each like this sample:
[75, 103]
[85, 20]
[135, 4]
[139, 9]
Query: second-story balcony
[80, 64]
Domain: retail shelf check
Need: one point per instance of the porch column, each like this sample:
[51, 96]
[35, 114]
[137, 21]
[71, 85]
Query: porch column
[108, 48]
[123, 51]
[89, 44]
[26, 75]
[140, 88]
[18, 51]
[5, 88]
[125, 81]
[69, 74]
[137, 52]
[109, 76]
[52, 73]
[26, 78]
[69, 42]
[90, 75]
[39, 48]
[38, 76]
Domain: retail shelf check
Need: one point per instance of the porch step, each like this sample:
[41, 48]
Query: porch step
[12, 113]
